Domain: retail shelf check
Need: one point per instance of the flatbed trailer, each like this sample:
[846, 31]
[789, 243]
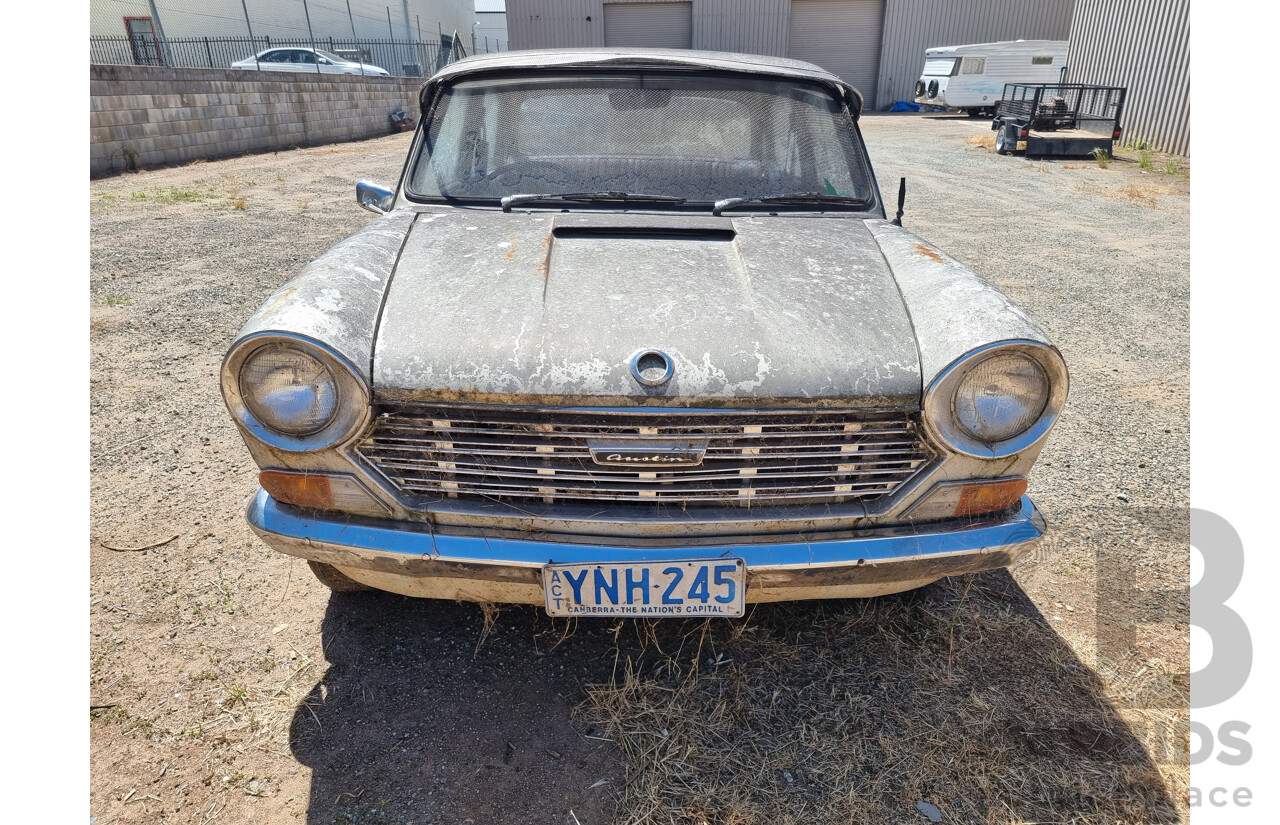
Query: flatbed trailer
[1058, 119]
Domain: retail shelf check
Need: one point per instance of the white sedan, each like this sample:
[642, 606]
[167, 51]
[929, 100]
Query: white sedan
[301, 59]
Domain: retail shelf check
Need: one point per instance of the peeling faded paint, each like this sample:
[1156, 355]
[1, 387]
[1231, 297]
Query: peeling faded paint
[335, 298]
[741, 316]
[952, 309]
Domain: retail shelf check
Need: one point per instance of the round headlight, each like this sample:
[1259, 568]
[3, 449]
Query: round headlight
[289, 390]
[1001, 397]
[997, 400]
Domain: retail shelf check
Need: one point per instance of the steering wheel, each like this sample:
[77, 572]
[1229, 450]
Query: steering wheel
[528, 169]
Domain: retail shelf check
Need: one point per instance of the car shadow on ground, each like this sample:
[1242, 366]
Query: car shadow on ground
[959, 695]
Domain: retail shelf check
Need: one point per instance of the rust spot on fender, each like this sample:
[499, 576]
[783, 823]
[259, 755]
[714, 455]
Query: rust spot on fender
[279, 300]
[511, 253]
[921, 249]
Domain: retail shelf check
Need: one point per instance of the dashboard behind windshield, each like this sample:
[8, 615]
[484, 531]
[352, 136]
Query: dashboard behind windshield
[698, 137]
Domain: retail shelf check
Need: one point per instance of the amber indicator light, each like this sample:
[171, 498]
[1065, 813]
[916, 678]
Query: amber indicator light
[990, 496]
[298, 489]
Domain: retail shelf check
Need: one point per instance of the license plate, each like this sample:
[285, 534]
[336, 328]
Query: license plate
[651, 589]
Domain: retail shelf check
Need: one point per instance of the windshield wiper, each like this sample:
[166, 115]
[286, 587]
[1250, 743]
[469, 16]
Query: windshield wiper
[515, 200]
[795, 197]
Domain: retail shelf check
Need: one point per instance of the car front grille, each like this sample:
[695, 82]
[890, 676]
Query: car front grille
[751, 458]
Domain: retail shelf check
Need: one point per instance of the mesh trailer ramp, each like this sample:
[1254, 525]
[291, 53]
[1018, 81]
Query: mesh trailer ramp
[1058, 119]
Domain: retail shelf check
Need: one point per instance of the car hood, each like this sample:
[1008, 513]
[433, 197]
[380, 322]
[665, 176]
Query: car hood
[549, 308]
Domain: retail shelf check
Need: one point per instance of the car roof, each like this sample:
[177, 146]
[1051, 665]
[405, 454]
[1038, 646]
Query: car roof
[641, 58]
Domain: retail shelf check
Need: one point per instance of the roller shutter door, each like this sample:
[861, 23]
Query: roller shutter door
[657, 25]
[841, 36]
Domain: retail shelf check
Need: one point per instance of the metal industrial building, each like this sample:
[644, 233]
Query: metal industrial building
[876, 45]
[491, 28]
[1143, 45]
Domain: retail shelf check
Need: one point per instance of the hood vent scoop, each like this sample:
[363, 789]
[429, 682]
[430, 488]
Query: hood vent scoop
[680, 225]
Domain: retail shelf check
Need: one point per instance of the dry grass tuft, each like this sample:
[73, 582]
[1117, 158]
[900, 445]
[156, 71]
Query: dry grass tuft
[987, 140]
[491, 611]
[1143, 195]
[959, 695]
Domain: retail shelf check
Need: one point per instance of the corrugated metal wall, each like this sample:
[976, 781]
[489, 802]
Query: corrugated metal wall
[911, 26]
[841, 36]
[657, 25]
[1144, 46]
[555, 24]
[751, 26]
[747, 26]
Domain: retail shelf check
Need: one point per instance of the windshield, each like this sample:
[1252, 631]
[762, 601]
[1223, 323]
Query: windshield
[331, 56]
[939, 66]
[699, 137]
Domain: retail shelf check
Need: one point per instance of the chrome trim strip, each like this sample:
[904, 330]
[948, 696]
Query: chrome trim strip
[417, 549]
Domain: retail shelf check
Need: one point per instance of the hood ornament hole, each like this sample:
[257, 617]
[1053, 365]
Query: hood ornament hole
[652, 368]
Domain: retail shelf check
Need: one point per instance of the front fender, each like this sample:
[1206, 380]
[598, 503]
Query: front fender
[953, 310]
[335, 299]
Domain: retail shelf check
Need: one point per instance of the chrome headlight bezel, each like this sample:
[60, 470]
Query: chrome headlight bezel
[939, 400]
[354, 399]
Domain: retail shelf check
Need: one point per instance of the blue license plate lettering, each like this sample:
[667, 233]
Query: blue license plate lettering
[648, 589]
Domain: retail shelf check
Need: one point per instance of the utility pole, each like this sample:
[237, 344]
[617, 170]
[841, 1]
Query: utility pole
[408, 33]
[359, 51]
[311, 35]
[252, 43]
[165, 54]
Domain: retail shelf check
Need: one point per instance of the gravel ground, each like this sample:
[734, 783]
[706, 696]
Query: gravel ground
[233, 688]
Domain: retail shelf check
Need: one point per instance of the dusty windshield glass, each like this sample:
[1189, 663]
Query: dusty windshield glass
[697, 137]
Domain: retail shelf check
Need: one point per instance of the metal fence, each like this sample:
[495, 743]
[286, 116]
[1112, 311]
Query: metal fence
[403, 58]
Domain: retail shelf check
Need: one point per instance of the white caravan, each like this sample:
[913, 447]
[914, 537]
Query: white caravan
[973, 77]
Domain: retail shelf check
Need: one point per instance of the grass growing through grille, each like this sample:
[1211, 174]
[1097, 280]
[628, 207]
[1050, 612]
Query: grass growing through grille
[958, 695]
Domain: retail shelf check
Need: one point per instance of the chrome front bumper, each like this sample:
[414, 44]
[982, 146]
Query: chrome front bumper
[413, 559]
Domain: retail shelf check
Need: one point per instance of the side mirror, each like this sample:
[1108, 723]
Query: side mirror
[375, 198]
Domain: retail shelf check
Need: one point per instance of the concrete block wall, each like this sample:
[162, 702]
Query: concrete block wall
[159, 115]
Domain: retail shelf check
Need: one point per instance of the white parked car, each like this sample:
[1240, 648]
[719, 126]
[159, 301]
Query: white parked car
[301, 59]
